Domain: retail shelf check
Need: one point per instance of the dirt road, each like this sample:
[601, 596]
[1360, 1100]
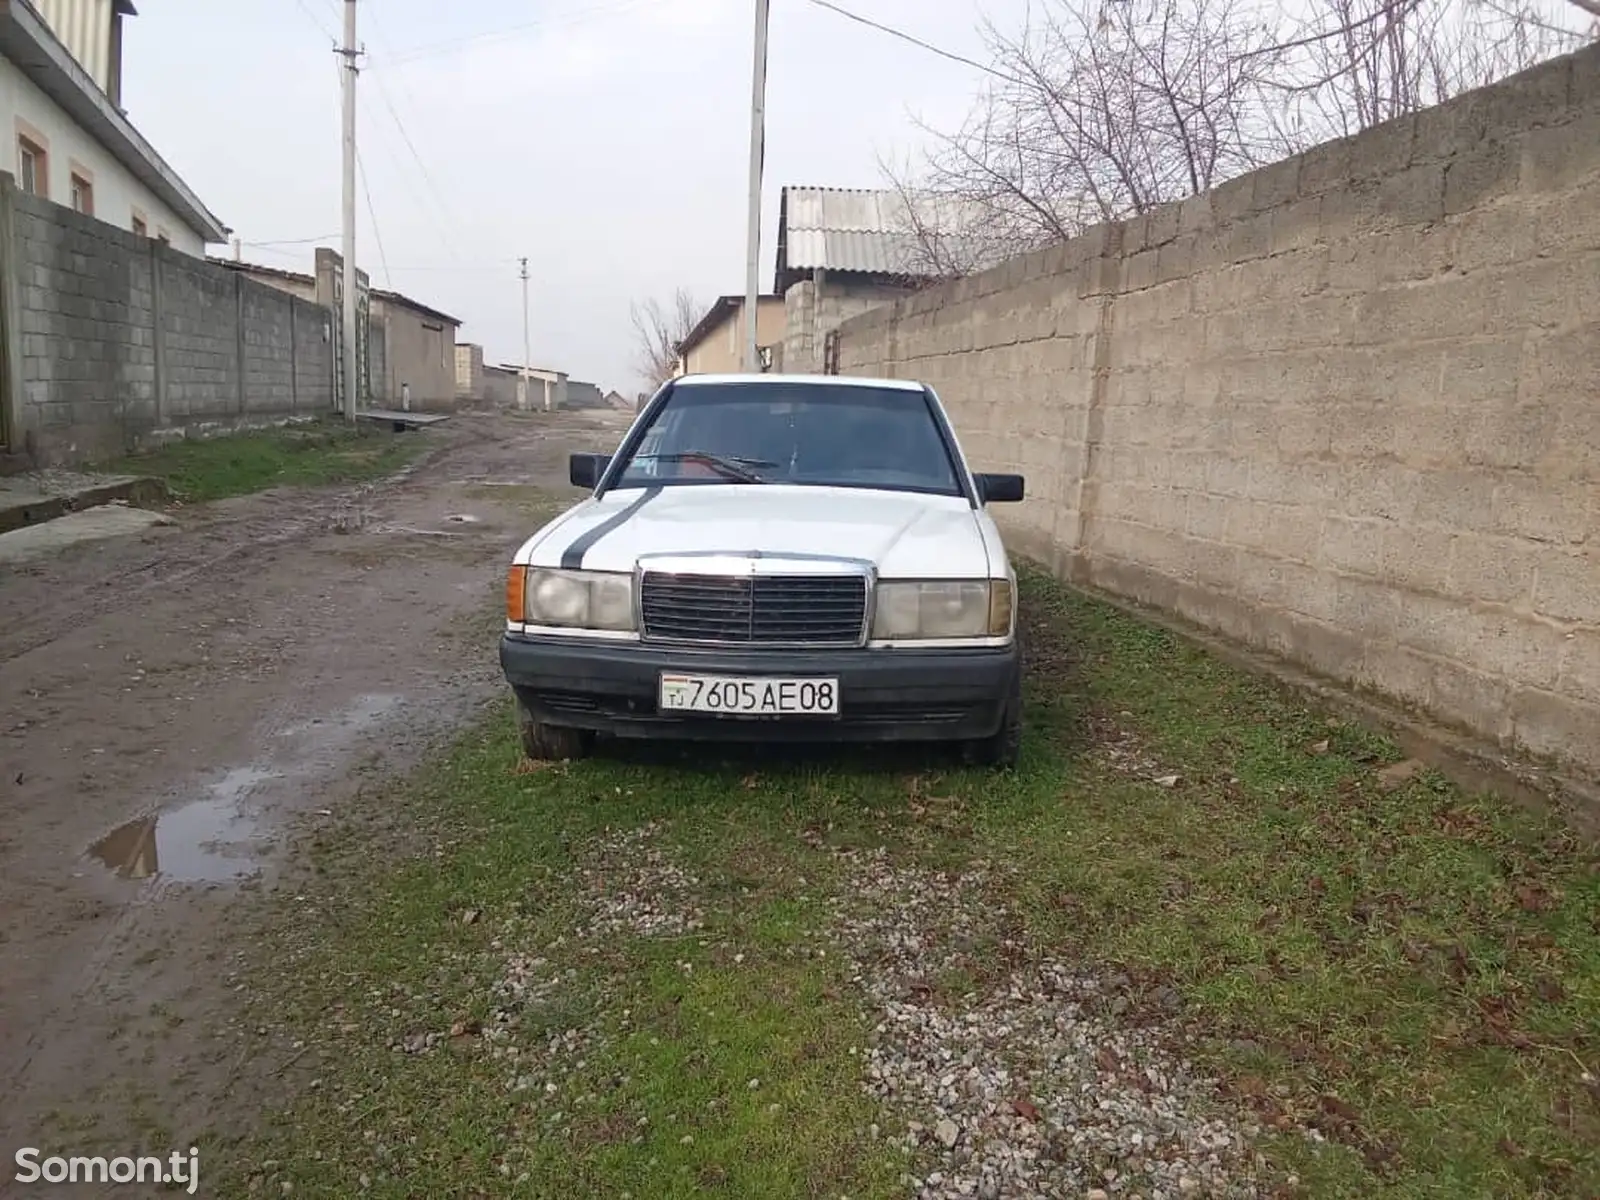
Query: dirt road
[168, 706]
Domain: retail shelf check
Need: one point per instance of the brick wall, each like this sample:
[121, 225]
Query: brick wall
[116, 340]
[1346, 408]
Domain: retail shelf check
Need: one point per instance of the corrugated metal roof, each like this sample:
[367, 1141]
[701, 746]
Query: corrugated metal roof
[865, 230]
[847, 229]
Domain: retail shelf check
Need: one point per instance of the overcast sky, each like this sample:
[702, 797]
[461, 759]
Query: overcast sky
[607, 140]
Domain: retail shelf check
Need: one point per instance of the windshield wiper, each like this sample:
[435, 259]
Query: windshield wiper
[733, 466]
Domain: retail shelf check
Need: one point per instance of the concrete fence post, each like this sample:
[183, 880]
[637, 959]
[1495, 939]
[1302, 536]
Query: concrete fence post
[294, 356]
[158, 335]
[11, 390]
[238, 338]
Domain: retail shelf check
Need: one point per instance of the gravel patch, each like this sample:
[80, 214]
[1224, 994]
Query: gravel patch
[1035, 1083]
[633, 886]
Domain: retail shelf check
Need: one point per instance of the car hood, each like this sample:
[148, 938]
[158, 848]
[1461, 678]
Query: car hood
[906, 534]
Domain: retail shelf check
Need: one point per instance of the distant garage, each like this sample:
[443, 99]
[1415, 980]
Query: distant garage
[418, 352]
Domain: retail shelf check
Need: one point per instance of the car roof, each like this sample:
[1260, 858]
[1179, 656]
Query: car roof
[902, 385]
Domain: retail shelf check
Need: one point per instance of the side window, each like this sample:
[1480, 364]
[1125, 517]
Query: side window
[650, 444]
[33, 174]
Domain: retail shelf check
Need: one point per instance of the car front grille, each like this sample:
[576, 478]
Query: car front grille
[796, 610]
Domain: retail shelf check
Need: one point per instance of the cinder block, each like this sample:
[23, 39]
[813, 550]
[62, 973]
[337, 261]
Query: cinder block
[1580, 666]
[1524, 650]
[1325, 167]
[1414, 196]
[1362, 431]
[1275, 185]
[1140, 271]
[1352, 545]
[1396, 672]
[1233, 199]
[1392, 492]
[1250, 237]
[1561, 156]
[1470, 699]
[1504, 435]
[1561, 727]
[1527, 507]
[1175, 260]
[1195, 215]
[1368, 610]
[1433, 436]
[1452, 307]
[1384, 150]
[1501, 234]
[1417, 557]
[1162, 224]
[1205, 516]
[1352, 211]
[1482, 175]
[1567, 585]
[1270, 582]
[1297, 225]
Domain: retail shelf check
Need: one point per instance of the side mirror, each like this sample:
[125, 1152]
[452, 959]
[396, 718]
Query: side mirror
[999, 488]
[585, 469]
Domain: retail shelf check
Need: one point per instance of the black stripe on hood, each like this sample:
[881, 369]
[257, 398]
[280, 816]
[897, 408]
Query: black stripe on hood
[572, 556]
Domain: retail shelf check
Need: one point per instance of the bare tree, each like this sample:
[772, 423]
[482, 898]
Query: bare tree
[1095, 111]
[1358, 63]
[658, 329]
[1100, 109]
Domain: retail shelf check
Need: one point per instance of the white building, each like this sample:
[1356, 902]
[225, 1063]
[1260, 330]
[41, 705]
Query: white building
[60, 104]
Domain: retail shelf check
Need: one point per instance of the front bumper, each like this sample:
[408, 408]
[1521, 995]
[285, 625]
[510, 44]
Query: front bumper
[884, 695]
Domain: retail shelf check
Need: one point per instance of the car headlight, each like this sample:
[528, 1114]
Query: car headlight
[570, 599]
[945, 608]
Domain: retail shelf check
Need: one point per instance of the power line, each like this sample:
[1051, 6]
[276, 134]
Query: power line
[914, 40]
[321, 237]
[457, 269]
[399, 123]
[383, 258]
[315, 20]
[437, 49]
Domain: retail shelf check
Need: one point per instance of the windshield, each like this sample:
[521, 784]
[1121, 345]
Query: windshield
[797, 433]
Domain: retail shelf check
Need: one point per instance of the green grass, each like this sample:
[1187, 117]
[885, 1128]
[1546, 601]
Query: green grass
[1413, 972]
[324, 452]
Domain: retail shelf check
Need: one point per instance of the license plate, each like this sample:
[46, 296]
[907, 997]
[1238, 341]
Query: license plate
[750, 696]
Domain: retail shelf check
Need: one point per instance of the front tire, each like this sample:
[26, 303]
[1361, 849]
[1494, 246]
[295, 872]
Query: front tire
[551, 743]
[1002, 750]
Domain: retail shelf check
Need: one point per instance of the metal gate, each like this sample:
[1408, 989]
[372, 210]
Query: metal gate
[830, 353]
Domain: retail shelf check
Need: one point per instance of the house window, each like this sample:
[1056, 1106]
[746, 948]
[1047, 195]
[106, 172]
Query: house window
[33, 171]
[140, 227]
[161, 236]
[82, 195]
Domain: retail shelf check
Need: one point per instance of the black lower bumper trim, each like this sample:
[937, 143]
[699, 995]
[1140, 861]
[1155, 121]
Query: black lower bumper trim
[884, 695]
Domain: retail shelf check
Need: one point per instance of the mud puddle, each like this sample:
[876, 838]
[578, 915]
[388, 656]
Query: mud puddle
[209, 840]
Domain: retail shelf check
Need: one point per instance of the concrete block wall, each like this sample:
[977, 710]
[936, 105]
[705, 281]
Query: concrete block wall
[1345, 408]
[469, 372]
[269, 336]
[116, 340]
[199, 329]
[313, 357]
[813, 309]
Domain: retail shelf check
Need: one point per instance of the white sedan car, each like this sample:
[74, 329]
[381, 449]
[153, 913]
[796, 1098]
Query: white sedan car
[772, 558]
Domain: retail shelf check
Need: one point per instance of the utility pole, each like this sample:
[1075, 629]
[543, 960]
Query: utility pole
[349, 52]
[522, 382]
[758, 124]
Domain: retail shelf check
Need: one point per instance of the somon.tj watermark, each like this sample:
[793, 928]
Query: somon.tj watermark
[176, 1168]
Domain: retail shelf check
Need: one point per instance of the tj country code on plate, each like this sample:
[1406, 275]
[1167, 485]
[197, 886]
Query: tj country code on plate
[753, 696]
